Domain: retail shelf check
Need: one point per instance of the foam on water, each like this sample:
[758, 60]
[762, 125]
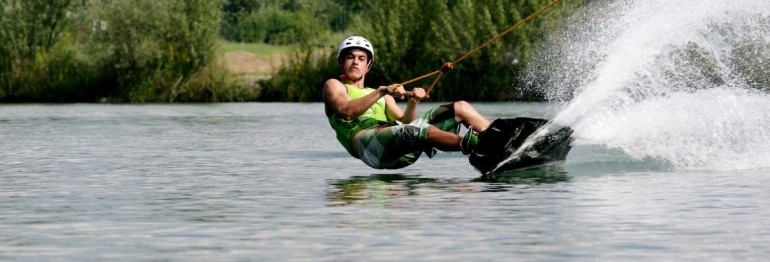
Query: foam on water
[685, 82]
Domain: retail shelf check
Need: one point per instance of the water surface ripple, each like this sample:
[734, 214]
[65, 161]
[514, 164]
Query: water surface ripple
[269, 182]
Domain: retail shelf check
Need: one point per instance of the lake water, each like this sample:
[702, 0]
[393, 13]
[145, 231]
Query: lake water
[669, 103]
[268, 182]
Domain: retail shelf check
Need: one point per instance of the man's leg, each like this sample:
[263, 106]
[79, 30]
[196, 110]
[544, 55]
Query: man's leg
[388, 147]
[443, 140]
[443, 134]
[467, 115]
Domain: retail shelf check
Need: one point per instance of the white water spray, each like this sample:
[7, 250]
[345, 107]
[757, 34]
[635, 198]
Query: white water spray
[686, 82]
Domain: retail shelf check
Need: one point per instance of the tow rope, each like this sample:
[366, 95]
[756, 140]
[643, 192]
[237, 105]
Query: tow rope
[446, 67]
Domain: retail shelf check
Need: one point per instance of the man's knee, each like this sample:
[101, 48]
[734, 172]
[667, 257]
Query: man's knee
[462, 106]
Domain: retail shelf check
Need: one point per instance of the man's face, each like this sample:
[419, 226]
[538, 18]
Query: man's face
[355, 63]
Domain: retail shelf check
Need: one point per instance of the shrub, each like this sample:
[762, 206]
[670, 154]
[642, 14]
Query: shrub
[301, 79]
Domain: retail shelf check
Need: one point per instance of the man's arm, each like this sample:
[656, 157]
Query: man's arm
[336, 99]
[394, 111]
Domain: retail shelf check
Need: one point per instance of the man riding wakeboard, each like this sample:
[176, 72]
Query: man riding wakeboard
[372, 127]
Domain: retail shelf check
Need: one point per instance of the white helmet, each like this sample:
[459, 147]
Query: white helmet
[357, 42]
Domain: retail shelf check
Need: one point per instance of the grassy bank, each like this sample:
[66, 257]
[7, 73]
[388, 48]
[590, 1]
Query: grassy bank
[252, 61]
[255, 48]
[280, 72]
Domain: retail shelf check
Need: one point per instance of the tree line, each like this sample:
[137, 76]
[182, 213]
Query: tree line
[165, 50]
[112, 50]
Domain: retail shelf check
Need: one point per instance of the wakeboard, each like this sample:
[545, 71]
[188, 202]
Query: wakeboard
[514, 144]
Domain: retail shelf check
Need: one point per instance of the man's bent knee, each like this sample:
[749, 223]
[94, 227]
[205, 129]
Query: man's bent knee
[463, 110]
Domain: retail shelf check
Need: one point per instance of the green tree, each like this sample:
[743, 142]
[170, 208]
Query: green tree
[154, 47]
[279, 22]
[33, 63]
[138, 51]
[29, 27]
[234, 25]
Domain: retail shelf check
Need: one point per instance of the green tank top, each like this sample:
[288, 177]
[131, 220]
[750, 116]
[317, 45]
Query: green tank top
[373, 116]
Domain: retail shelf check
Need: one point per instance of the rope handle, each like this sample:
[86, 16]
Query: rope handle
[406, 93]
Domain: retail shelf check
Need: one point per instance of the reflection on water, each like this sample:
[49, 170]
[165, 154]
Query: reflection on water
[358, 189]
[540, 175]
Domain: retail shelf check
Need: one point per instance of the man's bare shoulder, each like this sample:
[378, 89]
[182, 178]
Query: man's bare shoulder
[333, 88]
[333, 94]
[333, 85]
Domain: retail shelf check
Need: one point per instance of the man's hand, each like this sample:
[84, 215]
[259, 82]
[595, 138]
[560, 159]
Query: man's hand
[418, 94]
[395, 90]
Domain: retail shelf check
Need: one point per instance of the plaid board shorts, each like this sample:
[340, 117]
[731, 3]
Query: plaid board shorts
[400, 145]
